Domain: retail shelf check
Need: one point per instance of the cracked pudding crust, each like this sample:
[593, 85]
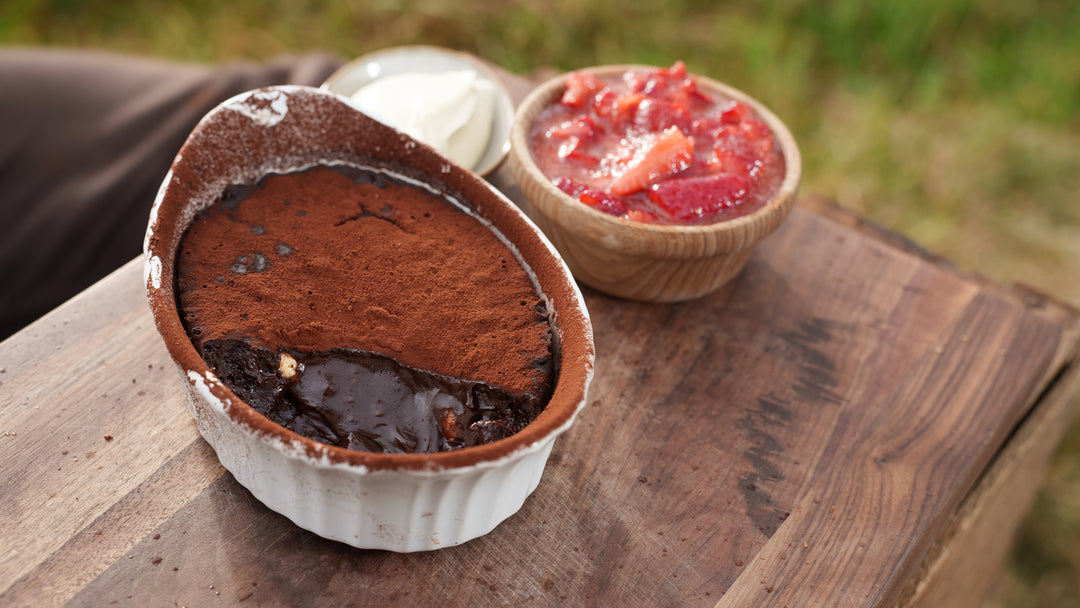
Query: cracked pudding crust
[365, 312]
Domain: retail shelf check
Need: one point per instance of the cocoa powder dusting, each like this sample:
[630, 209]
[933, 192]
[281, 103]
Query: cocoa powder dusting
[326, 258]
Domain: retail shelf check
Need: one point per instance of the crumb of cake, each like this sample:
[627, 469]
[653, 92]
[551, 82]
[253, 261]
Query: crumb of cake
[288, 366]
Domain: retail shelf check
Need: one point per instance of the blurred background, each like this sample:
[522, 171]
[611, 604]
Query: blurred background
[953, 122]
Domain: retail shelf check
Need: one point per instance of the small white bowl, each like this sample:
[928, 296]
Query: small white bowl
[400, 502]
[363, 70]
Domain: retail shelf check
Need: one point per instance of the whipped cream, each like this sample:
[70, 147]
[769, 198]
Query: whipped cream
[450, 111]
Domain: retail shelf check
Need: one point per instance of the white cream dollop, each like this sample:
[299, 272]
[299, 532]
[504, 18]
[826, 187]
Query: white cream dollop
[450, 111]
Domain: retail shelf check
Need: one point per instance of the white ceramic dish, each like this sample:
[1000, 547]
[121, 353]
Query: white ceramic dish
[400, 502]
[431, 60]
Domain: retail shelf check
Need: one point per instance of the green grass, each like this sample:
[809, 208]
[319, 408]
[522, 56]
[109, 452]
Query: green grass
[954, 122]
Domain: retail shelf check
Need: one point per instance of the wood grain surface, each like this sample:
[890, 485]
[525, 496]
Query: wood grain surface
[967, 557]
[806, 436]
[799, 438]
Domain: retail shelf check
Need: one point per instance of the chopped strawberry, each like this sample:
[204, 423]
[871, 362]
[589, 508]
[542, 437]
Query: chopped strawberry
[604, 102]
[635, 80]
[740, 162]
[677, 70]
[735, 113]
[582, 126]
[655, 85]
[580, 87]
[629, 102]
[569, 186]
[672, 84]
[642, 216]
[734, 154]
[657, 80]
[624, 109]
[755, 130]
[742, 148]
[696, 198]
[569, 146]
[597, 199]
[689, 90]
[669, 154]
[602, 201]
[623, 153]
[706, 127]
[573, 148]
[655, 115]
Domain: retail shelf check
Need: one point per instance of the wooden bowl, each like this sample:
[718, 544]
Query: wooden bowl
[642, 261]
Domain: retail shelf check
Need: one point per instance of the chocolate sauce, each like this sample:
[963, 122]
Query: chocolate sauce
[369, 402]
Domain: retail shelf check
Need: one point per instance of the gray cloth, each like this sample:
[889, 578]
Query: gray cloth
[85, 140]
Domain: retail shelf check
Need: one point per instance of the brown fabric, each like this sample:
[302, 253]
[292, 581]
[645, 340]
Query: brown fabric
[85, 140]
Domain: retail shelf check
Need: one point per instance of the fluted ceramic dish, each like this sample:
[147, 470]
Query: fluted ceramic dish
[363, 70]
[642, 261]
[400, 502]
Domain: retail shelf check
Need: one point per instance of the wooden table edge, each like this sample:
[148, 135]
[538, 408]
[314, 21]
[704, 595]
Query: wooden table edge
[985, 525]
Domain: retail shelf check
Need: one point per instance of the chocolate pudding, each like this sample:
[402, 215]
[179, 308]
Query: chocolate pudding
[364, 311]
